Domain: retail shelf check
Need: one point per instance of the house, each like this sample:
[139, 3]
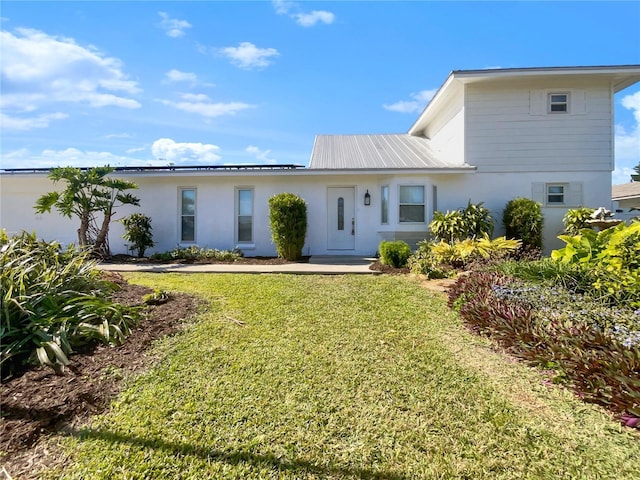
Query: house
[486, 136]
[626, 200]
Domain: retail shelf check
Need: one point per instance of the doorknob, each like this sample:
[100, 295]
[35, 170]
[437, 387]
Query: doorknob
[353, 226]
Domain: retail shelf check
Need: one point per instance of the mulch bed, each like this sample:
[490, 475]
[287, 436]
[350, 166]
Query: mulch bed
[40, 403]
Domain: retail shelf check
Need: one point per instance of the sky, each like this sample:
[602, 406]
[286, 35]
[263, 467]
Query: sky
[207, 83]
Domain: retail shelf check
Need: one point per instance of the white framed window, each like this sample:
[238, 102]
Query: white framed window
[384, 204]
[411, 205]
[556, 193]
[244, 215]
[558, 103]
[187, 219]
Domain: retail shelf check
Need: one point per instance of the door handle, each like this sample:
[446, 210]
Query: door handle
[353, 226]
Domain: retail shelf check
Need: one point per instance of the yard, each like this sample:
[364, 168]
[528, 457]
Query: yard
[339, 377]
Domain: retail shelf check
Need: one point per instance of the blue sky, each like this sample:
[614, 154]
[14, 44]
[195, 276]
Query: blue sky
[152, 83]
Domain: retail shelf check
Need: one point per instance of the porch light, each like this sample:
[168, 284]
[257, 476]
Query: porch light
[367, 198]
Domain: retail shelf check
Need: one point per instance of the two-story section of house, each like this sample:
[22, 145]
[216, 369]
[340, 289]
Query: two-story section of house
[541, 133]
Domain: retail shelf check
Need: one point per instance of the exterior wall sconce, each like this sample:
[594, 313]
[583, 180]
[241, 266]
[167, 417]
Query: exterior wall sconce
[367, 198]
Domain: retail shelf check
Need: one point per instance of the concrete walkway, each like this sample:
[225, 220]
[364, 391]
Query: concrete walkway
[318, 265]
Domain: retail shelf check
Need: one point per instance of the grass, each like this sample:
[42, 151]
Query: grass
[340, 377]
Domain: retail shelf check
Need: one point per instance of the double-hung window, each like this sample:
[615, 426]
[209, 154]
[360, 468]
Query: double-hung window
[244, 215]
[556, 194]
[558, 103]
[187, 215]
[411, 204]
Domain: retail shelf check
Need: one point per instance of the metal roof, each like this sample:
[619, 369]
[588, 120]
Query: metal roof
[625, 191]
[374, 152]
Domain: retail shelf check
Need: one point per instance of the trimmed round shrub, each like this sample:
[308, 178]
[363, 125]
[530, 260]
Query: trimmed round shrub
[394, 253]
[522, 219]
[288, 222]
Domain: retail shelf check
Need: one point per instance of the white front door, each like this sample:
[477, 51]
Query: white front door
[341, 218]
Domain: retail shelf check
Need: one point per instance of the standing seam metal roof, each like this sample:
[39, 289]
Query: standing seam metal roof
[392, 151]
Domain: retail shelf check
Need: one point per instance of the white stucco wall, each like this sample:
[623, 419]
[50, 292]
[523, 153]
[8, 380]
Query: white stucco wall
[215, 216]
[216, 209]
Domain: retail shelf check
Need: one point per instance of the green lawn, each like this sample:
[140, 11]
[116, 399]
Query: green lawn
[340, 377]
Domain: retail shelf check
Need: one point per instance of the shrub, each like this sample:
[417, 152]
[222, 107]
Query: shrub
[423, 262]
[53, 301]
[473, 221]
[196, 253]
[394, 253]
[522, 219]
[612, 258]
[460, 254]
[288, 223]
[575, 220]
[138, 232]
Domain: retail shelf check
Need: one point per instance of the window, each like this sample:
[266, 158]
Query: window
[411, 204]
[245, 215]
[187, 215]
[555, 194]
[340, 213]
[384, 204]
[558, 102]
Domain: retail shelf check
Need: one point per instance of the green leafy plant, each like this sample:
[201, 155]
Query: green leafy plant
[459, 254]
[473, 221]
[88, 193]
[52, 301]
[423, 262]
[196, 253]
[157, 297]
[138, 232]
[612, 258]
[395, 253]
[575, 219]
[522, 219]
[288, 223]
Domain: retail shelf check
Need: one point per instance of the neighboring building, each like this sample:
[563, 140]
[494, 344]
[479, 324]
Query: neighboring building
[626, 200]
[486, 136]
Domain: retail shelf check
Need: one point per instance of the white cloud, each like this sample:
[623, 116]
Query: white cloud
[418, 102]
[166, 149]
[261, 155]
[173, 27]
[175, 76]
[40, 121]
[248, 56]
[627, 142]
[69, 157]
[316, 16]
[201, 104]
[40, 70]
[304, 19]
[117, 135]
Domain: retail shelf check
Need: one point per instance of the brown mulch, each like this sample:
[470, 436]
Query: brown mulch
[40, 403]
[388, 269]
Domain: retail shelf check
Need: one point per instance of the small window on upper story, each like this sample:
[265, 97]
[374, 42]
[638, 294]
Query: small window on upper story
[556, 194]
[558, 103]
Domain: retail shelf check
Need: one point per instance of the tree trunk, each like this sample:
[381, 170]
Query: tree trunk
[101, 247]
[84, 229]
